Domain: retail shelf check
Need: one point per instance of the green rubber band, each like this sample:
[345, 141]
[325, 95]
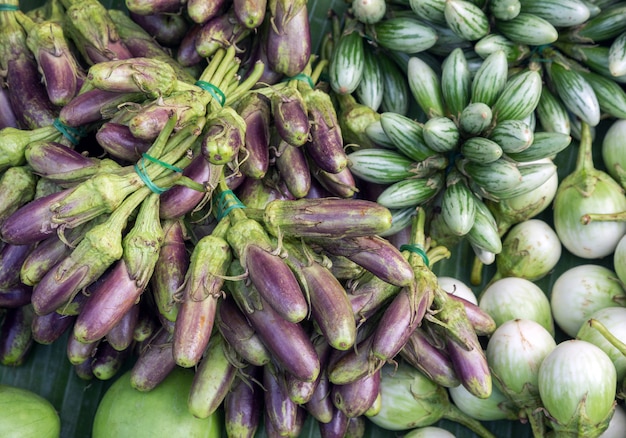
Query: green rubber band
[7, 8]
[301, 77]
[72, 134]
[226, 202]
[213, 91]
[416, 249]
[146, 179]
[162, 163]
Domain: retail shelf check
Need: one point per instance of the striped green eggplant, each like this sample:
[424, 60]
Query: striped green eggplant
[490, 78]
[404, 34]
[380, 166]
[512, 135]
[371, 88]
[496, 176]
[484, 233]
[425, 85]
[504, 9]
[593, 56]
[411, 192]
[431, 10]
[407, 135]
[575, 92]
[520, 96]
[608, 24]
[534, 174]
[559, 13]
[611, 96]
[397, 96]
[447, 41]
[475, 118]
[345, 68]
[376, 134]
[515, 51]
[400, 219]
[551, 113]
[544, 145]
[458, 204]
[456, 81]
[481, 150]
[466, 19]
[441, 134]
[617, 55]
[528, 29]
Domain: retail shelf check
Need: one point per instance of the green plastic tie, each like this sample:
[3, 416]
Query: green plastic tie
[226, 202]
[301, 77]
[213, 91]
[140, 168]
[8, 8]
[416, 249]
[72, 134]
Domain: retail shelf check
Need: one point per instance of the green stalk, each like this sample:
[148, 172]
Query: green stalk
[455, 414]
[613, 340]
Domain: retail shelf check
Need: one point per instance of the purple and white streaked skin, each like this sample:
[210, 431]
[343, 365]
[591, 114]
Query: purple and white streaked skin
[290, 116]
[287, 51]
[293, 169]
[91, 105]
[16, 341]
[356, 398]
[8, 118]
[154, 363]
[48, 328]
[243, 404]
[281, 411]
[11, 259]
[17, 295]
[254, 157]
[117, 140]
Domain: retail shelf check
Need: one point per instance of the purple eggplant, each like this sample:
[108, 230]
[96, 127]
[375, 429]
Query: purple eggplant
[8, 119]
[146, 325]
[293, 350]
[293, 168]
[320, 406]
[219, 32]
[117, 140]
[78, 352]
[16, 339]
[353, 364]
[237, 331]
[83, 370]
[483, 323]
[48, 328]
[107, 361]
[336, 427]
[243, 404]
[257, 193]
[289, 114]
[94, 105]
[254, 108]
[250, 13]
[167, 29]
[341, 184]
[370, 295]
[201, 11]
[288, 41]
[356, 398]
[213, 379]
[281, 411]
[11, 259]
[121, 335]
[187, 55]
[143, 7]
[17, 295]
[154, 363]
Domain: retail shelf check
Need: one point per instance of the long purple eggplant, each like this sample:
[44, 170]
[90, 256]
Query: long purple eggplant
[341, 184]
[143, 7]
[107, 361]
[117, 140]
[356, 398]
[336, 427]
[154, 363]
[16, 339]
[187, 55]
[250, 13]
[48, 328]
[293, 169]
[243, 404]
[11, 259]
[8, 119]
[201, 11]
[254, 108]
[15, 296]
[483, 323]
[78, 352]
[94, 105]
[290, 116]
[121, 335]
[281, 411]
[167, 29]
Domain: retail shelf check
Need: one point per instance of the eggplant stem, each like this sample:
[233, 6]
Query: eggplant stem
[455, 414]
[606, 333]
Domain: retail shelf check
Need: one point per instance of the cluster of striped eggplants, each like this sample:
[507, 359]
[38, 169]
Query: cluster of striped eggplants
[183, 199]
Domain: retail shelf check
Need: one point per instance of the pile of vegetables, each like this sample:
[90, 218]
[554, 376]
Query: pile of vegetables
[189, 186]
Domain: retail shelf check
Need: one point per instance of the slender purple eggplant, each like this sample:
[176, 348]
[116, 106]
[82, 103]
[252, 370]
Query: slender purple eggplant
[281, 410]
[257, 193]
[61, 71]
[293, 349]
[293, 169]
[258, 53]
[288, 40]
[370, 295]
[289, 114]
[94, 106]
[356, 427]
[16, 339]
[250, 13]
[143, 7]
[201, 11]
[48, 328]
[320, 406]
[471, 367]
[354, 364]
[146, 325]
[169, 272]
[336, 427]
[254, 108]
[117, 140]
[187, 55]
[219, 32]
[180, 200]
[78, 352]
[325, 218]
[356, 398]
[203, 288]
[107, 361]
[374, 253]
[83, 370]
[15, 296]
[243, 405]
[168, 29]
[326, 144]
[11, 259]
[90, 27]
[276, 283]
[237, 331]
[8, 119]
[154, 362]
[341, 184]
[213, 379]
[481, 321]
[17, 187]
[121, 335]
